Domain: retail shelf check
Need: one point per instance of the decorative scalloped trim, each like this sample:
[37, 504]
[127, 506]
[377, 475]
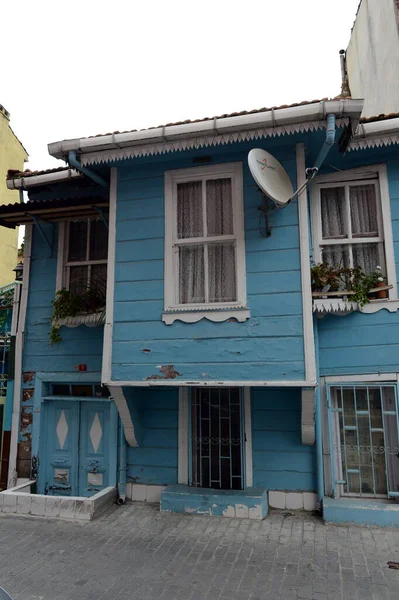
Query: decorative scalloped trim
[376, 305]
[239, 314]
[92, 320]
[334, 306]
[374, 142]
[202, 142]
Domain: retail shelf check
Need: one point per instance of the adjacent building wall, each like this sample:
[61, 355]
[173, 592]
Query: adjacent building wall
[12, 156]
[372, 57]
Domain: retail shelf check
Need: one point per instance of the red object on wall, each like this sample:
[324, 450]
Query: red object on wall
[82, 367]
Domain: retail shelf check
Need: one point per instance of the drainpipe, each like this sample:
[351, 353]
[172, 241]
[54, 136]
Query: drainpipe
[73, 162]
[328, 142]
[122, 466]
[318, 423]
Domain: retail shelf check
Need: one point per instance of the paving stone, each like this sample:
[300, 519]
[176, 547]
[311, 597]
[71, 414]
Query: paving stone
[135, 552]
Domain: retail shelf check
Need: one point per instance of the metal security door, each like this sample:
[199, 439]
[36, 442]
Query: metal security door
[217, 436]
[94, 447]
[62, 442]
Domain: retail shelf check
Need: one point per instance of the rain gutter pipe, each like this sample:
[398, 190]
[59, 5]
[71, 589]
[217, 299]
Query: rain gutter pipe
[318, 423]
[122, 466]
[73, 162]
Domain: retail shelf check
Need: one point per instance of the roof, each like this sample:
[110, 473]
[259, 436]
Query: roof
[381, 117]
[246, 125]
[13, 174]
[223, 116]
[58, 209]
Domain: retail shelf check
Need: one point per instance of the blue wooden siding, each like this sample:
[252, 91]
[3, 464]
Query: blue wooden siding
[280, 461]
[269, 346]
[155, 461]
[80, 345]
[364, 343]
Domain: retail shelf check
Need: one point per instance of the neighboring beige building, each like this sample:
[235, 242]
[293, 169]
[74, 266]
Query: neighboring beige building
[372, 57]
[12, 156]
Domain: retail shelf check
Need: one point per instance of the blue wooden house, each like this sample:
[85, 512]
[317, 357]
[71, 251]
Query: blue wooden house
[205, 374]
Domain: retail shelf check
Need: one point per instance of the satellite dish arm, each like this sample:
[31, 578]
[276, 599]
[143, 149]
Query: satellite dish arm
[325, 149]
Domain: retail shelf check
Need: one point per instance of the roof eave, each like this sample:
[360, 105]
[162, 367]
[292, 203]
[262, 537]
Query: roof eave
[317, 111]
[24, 183]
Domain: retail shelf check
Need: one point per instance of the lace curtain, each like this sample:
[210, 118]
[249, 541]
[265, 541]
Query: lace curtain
[207, 261]
[362, 212]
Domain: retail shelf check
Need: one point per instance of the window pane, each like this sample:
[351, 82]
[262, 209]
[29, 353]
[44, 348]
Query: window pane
[98, 240]
[222, 273]
[366, 256]
[333, 213]
[189, 210]
[98, 278]
[78, 277]
[219, 207]
[191, 275]
[77, 240]
[336, 255]
[363, 210]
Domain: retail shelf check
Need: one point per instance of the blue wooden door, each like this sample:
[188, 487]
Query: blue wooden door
[77, 461]
[94, 447]
[62, 437]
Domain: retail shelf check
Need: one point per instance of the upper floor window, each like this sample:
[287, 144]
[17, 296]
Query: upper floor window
[204, 251]
[86, 250]
[351, 221]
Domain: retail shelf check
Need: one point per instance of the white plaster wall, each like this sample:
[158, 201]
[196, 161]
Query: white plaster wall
[372, 57]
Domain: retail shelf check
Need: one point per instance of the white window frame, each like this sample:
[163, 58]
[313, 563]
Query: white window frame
[213, 311]
[372, 173]
[63, 265]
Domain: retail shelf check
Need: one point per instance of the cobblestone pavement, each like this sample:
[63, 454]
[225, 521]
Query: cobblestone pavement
[134, 552]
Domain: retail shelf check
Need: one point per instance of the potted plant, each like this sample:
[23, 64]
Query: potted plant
[326, 278]
[72, 304]
[380, 282]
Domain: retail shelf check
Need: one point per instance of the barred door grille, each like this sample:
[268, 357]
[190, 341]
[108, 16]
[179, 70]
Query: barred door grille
[217, 438]
[366, 448]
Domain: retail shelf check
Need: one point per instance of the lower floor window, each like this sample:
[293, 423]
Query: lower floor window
[217, 438]
[366, 452]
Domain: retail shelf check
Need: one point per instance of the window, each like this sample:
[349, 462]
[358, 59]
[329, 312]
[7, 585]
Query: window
[351, 221]
[205, 263]
[365, 444]
[86, 255]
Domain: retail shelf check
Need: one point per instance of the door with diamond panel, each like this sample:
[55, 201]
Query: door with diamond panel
[78, 446]
[62, 437]
[93, 448]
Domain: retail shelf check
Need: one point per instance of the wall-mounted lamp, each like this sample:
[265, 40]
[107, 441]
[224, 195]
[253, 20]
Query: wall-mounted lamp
[19, 271]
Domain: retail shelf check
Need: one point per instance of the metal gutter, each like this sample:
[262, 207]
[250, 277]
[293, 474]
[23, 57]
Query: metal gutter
[273, 118]
[381, 127]
[23, 183]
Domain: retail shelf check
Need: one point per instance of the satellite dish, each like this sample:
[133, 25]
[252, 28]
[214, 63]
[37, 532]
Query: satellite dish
[270, 176]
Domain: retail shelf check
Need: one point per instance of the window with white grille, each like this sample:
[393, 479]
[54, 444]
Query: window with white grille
[351, 221]
[86, 252]
[204, 240]
[365, 447]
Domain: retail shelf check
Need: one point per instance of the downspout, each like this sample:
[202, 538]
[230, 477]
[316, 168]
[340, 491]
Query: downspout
[122, 466]
[318, 423]
[328, 142]
[73, 162]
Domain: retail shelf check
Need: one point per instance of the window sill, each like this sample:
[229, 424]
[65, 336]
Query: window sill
[92, 320]
[375, 305]
[217, 316]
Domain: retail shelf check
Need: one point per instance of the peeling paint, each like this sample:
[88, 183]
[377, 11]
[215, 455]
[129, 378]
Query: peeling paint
[168, 372]
[28, 376]
[146, 350]
[27, 394]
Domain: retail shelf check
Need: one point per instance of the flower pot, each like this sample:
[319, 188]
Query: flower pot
[383, 293]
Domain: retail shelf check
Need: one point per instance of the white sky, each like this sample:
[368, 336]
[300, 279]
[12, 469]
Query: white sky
[78, 68]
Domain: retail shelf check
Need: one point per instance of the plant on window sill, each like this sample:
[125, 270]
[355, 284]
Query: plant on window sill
[338, 282]
[72, 304]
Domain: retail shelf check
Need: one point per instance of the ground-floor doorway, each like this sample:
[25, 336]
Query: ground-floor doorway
[217, 438]
[79, 447]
